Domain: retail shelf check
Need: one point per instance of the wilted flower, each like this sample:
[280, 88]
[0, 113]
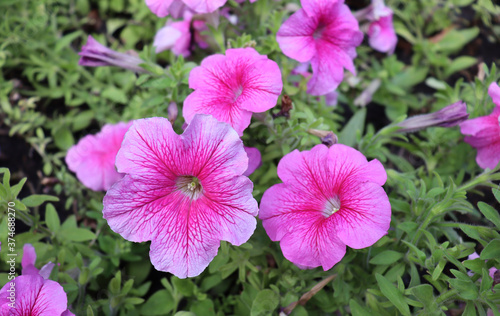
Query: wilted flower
[93, 158]
[446, 117]
[94, 54]
[254, 160]
[329, 198]
[233, 86]
[484, 133]
[32, 293]
[325, 33]
[185, 192]
[177, 36]
[366, 96]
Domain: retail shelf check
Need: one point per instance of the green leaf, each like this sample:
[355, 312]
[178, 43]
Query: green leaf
[115, 95]
[38, 199]
[356, 123]
[491, 251]
[184, 286]
[203, 308]
[265, 303]
[386, 257]
[90, 312]
[357, 309]
[470, 309]
[460, 63]
[77, 234]
[424, 293]
[51, 218]
[490, 213]
[392, 294]
[160, 303]
[63, 138]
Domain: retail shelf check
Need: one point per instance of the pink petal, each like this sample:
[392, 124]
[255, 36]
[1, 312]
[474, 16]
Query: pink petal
[488, 156]
[254, 160]
[159, 7]
[29, 259]
[151, 204]
[166, 38]
[93, 158]
[204, 6]
[231, 87]
[34, 296]
[494, 92]
[46, 270]
[382, 36]
[295, 36]
[365, 214]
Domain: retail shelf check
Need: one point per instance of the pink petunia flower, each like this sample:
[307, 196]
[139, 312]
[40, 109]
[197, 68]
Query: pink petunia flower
[484, 133]
[93, 158]
[233, 86]
[33, 293]
[162, 8]
[185, 192]
[329, 198]
[325, 33]
[177, 36]
[331, 98]
[254, 160]
[94, 54]
[381, 33]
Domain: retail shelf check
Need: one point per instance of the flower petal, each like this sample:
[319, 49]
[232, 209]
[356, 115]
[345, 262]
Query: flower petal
[204, 6]
[159, 7]
[295, 36]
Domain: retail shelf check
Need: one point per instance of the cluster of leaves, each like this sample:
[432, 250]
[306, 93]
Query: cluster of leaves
[420, 267]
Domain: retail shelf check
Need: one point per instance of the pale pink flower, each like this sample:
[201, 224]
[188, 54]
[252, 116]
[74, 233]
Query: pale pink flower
[484, 133]
[230, 87]
[254, 160]
[381, 33]
[33, 293]
[325, 33]
[329, 198]
[93, 158]
[94, 54]
[177, 36]
[185, 192]
[162, 8]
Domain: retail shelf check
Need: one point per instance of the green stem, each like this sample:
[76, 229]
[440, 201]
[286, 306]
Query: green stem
[446, 296]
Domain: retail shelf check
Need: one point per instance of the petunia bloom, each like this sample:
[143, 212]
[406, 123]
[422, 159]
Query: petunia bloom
[230, 87]
[329, 198]
[93, 158]
[185, 192]
[483, 133]
[32, 293]
[177, 36]
[449, 116]
[325, 33]
[381, 33]
[162, 8]
[94, 54]
[254, 160]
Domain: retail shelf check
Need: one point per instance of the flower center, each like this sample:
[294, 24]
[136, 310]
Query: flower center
[190, 186]
[319, 31]
[332, 206]
[238, 91]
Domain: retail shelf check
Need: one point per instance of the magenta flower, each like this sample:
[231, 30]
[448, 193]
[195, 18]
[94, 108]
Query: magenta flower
[325, 33]
[254, 160]
[162, 8]
[185, 192]
[329, 198]
[94, 54]
[32, 293]
[177, 36]
[233, 86]
[484, 133]
[93, 158]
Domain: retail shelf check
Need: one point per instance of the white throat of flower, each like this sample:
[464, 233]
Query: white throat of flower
[332, 206]
[190, 186]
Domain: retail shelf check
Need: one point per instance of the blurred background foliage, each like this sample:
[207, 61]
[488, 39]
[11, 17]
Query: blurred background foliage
[443, 206]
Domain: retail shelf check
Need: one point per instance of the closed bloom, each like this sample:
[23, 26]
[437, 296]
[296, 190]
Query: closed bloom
[449, 116]
[381, 34]
[94, 54]
[329, 198]
[483, 133]
[185, 192]
[35, 295]
[233, 86]
[93, 158]
[325, 33]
